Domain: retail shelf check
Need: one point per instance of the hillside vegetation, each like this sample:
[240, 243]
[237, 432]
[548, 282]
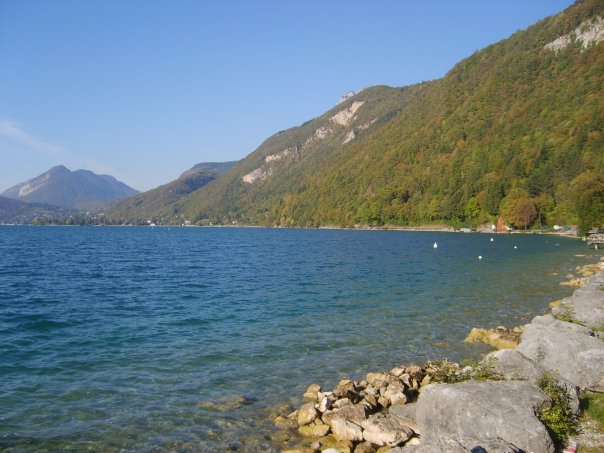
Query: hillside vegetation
[515, 130]
[140, 208]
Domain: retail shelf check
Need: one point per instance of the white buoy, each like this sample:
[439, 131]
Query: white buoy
[491, 239]
[479, 257]
[435, 245]
[515, 246]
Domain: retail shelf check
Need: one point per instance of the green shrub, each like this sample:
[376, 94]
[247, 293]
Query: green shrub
[558, 418]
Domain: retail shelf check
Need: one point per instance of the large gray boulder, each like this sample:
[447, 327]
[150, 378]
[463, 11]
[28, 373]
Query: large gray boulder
[493, 415]
[450, 445]
[565, 349]
[586, 305]
[512, 365]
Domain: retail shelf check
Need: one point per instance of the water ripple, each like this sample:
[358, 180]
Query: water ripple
[110, 338]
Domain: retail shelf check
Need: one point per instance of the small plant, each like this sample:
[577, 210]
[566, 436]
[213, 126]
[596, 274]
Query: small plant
[486, 372]
[558, 418]
[565, 313]
[468, 370]
[444, 371]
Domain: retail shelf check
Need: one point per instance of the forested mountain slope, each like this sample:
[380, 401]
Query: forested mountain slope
[514, 130]
[140, 207]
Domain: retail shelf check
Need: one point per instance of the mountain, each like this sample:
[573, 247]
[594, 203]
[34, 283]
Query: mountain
[140, 207]
[78, 189]
[274, 168]
[21, 212]
[516, 130]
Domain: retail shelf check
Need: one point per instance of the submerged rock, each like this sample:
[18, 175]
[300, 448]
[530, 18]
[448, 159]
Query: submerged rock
[314, 430]
[499, 337]
[228, 403]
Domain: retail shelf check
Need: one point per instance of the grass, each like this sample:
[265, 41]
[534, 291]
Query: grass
[592, 405]
[558, 418]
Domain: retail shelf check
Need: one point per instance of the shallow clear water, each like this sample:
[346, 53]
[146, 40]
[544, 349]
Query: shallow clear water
[113, 339]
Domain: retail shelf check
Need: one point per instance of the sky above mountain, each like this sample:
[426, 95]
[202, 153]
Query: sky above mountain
[143, 90]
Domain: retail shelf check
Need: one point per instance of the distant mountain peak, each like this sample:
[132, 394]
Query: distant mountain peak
[61, 187]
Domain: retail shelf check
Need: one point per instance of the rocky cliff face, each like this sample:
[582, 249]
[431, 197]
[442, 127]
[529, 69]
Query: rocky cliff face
[588, 33]
[341, 119]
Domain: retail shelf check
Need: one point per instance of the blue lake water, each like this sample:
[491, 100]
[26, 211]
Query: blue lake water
[114, 339]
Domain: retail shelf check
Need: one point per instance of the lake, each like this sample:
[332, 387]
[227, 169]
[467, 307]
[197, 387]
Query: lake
[121, 339]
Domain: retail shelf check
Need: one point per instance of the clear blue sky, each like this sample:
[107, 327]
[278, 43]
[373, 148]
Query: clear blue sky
[145, 89]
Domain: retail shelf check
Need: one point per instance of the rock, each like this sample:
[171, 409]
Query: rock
[331, 450]
[285, 423]
[512, 365]
[347, 390]
[344, 446]
[416, 372]
[406, 414]
[566, 349]
[228, 403]
[586, 305]
[293, 415]
[371, 401]
[384, 402]
[453, 446]
[280, 437]
[307, 414]
[364, 447]
[355, 413]
[500, 337]
[341, 403]
[314, 430]
[325, 404]
[406, 379]
[395, 393]
[311, 394]
[379, 379]
[471, 414]
[385, 429]
[299, 450]
[425, 380]
[344, 382]
[346, 430]
[398, 371]
[280, 409]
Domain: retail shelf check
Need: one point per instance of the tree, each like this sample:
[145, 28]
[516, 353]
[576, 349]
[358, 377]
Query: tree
[590, 201]
[518, 209]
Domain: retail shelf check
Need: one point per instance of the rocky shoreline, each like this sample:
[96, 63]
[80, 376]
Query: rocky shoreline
[494, 405]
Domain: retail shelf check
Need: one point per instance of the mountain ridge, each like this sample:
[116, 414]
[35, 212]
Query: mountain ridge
[62, 187]
[139, 208]
[514, 130]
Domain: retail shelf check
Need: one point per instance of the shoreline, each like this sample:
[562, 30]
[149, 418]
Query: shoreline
[417, 229]
[395, 411]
